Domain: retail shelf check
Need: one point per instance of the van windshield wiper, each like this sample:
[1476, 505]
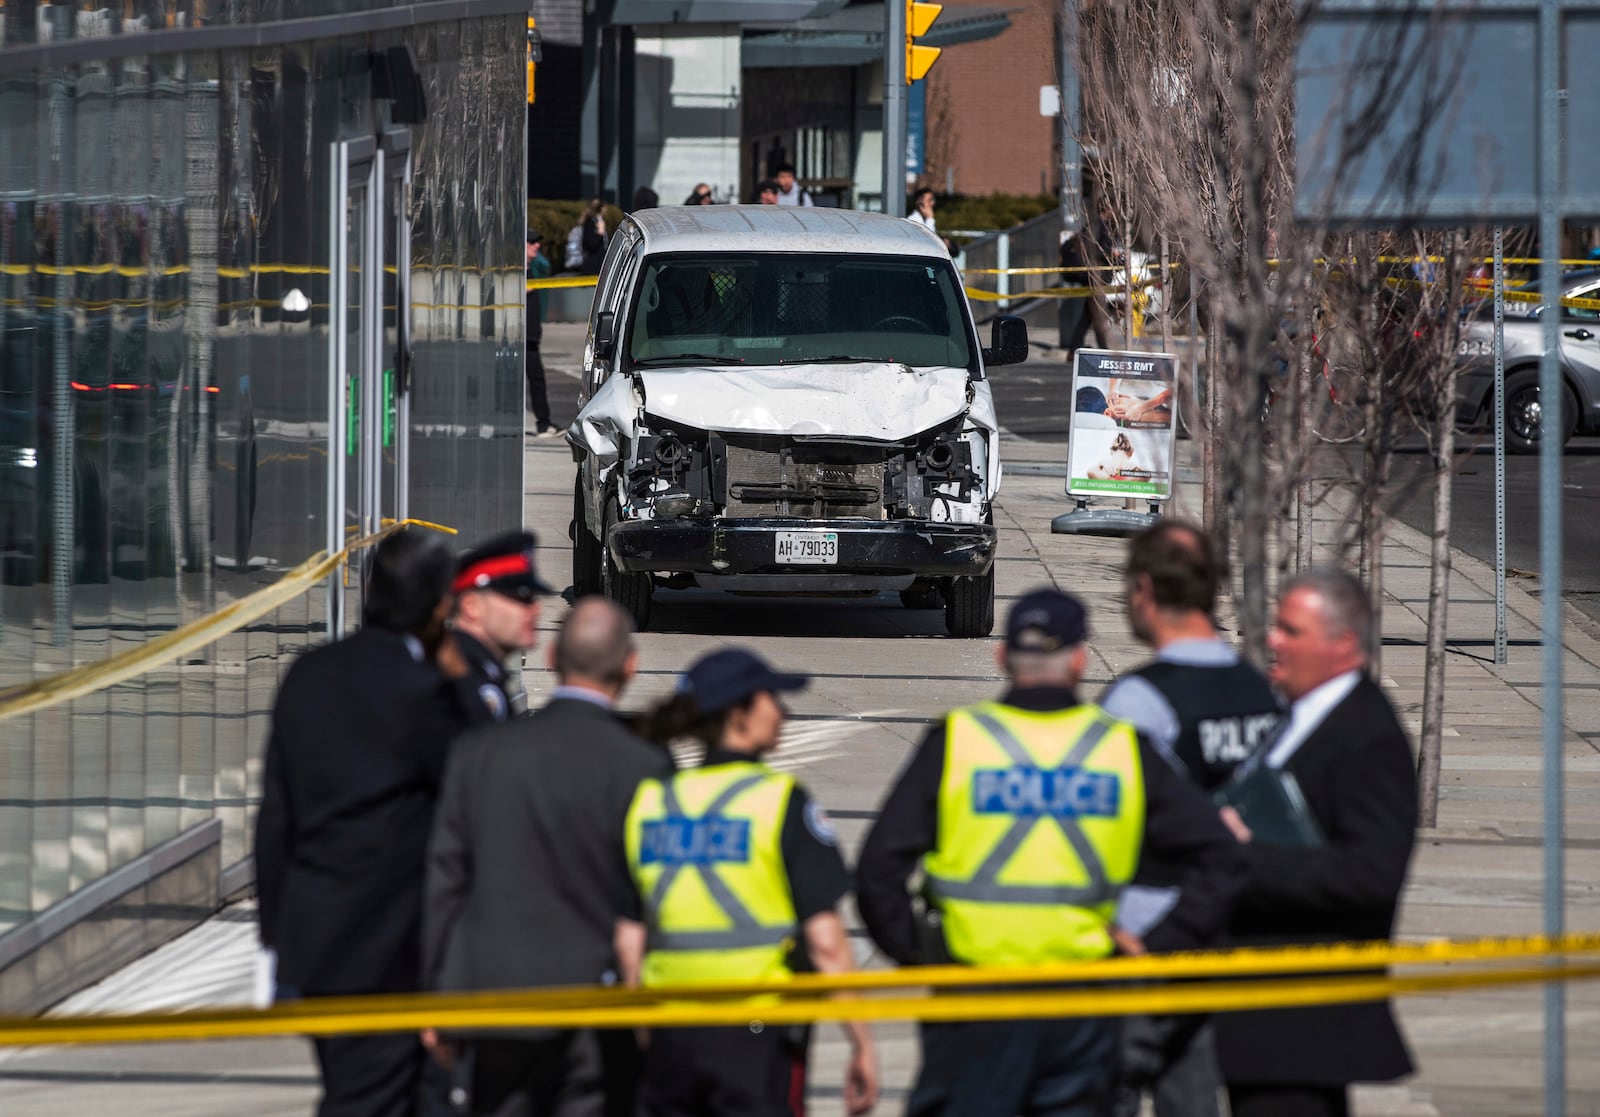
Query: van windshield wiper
[688, 359]
[837, 358]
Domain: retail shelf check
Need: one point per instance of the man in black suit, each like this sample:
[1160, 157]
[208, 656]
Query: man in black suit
[528, 875]
[1345, 747]
[359, 733]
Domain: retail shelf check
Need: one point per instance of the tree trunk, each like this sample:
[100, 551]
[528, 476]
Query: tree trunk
[1253, 533]
[1381, 439]
[1431, 748]
[1213, 500]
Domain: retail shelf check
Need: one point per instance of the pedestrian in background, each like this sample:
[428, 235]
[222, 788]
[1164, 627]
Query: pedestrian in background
[1346, 749]
[737, 870]
[767, 192]
[538, 306]
[789, 191]
[496, 614]
[353, 766]
[644, 198]
[1027, 816]
[700, 195]
[1205, 710]
[591, 239]
[1072, 315]
[527, 875]
[922, 203]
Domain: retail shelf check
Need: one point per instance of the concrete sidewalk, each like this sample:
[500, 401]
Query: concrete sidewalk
[883, 674]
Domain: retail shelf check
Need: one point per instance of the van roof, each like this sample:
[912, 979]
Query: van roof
[756, 228]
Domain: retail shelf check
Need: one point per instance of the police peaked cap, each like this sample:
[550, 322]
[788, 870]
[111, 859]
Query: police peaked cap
[503, 564]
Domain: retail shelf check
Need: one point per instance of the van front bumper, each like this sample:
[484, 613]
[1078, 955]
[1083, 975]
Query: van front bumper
[738, 546]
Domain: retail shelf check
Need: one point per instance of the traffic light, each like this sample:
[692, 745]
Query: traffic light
[919, 59]
[535, 54]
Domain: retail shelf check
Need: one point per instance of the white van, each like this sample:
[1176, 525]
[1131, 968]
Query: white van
[785, 400]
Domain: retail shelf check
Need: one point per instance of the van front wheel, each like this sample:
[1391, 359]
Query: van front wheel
[969, 606]
[634, 592]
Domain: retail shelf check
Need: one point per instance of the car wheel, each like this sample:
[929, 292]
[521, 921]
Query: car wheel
[634, 592]
[922, 595]
[586, 549]
[969, 606]
[1524, 413]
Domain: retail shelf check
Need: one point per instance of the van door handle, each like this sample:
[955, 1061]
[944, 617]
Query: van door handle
[1581, 335]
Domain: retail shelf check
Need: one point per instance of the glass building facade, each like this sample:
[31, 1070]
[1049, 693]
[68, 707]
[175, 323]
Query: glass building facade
[260, 290]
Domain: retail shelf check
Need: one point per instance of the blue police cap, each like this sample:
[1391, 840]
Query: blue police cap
[724, 679]
[1046, 621]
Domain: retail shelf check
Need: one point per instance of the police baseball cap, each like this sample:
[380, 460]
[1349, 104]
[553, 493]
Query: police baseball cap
[724, 679]
[1046, 621]
[503, 564]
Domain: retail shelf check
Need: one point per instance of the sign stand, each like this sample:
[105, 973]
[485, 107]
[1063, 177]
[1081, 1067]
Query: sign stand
[1122, 440]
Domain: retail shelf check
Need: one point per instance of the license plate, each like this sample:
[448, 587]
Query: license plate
[808, 548]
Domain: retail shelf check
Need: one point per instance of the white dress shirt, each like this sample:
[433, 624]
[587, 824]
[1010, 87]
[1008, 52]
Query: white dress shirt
[1308, 712]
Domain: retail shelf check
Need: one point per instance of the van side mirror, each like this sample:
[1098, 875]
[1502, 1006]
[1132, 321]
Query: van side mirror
[605, 334]
[1008, 341]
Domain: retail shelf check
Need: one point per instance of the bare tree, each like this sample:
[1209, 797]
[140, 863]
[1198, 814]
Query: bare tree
[1199, 97]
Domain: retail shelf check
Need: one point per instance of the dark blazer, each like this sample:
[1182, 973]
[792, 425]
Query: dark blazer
[1359, 779]
[359, 734]
[527, 870]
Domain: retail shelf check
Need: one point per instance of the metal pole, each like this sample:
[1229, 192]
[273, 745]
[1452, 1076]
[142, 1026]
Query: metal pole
[1550, 401]
[1166, 293]
[1500, 445]
[1002, 264]
[1071, 152]
[894, 108]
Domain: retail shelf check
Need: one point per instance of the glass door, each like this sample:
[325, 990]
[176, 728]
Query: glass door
[368, 354]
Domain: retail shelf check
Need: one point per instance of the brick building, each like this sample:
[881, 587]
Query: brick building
[984, 131]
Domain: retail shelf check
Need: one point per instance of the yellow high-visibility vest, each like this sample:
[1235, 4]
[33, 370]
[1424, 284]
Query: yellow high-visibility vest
[1040, 820]
[705, 849]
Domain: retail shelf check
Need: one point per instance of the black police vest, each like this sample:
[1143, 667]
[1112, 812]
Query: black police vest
[1224, 714]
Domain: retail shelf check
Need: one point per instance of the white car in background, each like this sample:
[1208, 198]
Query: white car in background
[787, 401]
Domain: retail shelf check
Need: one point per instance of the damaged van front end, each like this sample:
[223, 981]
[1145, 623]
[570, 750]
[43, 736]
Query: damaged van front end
[844, 475]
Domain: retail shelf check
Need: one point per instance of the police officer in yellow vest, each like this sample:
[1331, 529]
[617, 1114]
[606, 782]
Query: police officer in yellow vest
[1027, 817]
[738, 874]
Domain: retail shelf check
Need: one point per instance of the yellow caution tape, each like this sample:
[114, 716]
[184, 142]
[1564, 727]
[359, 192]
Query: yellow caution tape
[611, 1008]
[805, 998]
[1508, 296]
[563, 281]
[1048, 292]
[79, 681]
[1531, 297]
[1113, 268]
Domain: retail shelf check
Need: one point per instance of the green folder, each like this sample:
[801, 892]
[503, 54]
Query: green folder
[1273, 806]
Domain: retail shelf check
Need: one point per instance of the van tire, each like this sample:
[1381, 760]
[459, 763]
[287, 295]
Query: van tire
[633, 592]
[969, 606]
[586, 556]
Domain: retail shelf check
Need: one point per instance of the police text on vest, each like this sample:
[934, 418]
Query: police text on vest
[1032, 792]
[695, 841]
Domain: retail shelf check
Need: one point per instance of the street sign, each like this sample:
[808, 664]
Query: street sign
[1123, 437]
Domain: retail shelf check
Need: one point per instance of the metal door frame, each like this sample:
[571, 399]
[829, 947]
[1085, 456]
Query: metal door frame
[383, 170]
[355, 161]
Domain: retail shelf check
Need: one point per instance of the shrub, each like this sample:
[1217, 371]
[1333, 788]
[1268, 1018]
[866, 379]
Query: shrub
[990, 212]
[555, 217]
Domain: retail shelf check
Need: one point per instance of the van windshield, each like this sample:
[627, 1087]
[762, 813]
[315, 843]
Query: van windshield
[786, 308]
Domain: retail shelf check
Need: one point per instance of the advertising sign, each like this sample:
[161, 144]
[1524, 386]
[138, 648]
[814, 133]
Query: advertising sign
[1123, 433]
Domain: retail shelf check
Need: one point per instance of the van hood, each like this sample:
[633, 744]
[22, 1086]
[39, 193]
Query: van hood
[879, 402]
